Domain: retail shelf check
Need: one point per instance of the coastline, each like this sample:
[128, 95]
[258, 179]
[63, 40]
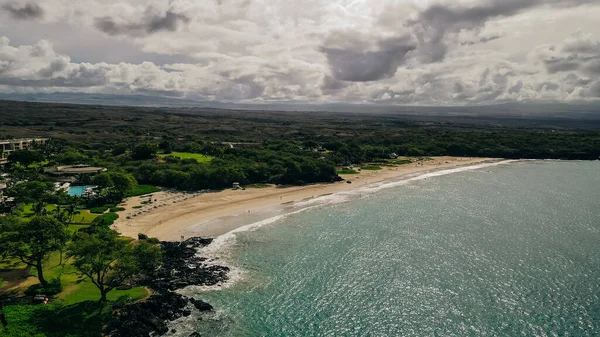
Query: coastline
[205, 212]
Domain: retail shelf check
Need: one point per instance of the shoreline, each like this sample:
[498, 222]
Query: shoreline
[205, 215]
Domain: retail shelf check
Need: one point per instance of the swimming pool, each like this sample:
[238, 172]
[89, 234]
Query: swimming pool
[77, 191]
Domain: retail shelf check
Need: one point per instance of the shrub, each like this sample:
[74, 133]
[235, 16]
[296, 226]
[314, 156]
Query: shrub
[105, 219]
[137, 207]
[116, 209]
[98, 210]
[153, 241]
[257, 186]
[54, 287]
[144, 189]
[371, 168]
[142, 236]
[347, 172]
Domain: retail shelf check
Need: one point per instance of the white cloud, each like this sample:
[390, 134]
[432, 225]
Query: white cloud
[387, 51]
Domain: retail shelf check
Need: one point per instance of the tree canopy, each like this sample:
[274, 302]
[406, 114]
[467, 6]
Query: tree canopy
[25, 157]
[114, 186]
[31, 242]
[110, 260]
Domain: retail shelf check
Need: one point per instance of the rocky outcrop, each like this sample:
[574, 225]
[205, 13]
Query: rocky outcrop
[181, 268]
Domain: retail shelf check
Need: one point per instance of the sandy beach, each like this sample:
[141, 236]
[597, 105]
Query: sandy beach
[170, 214]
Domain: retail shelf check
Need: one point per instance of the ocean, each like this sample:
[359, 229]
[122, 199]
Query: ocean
[503, 250]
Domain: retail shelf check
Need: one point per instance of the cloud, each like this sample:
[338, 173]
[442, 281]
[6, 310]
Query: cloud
[432, 26]
[24, 12]
[388, 52]
[151, 23]
[356, 65]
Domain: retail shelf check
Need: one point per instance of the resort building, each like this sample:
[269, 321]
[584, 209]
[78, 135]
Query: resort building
[74, 170]
[9, 145]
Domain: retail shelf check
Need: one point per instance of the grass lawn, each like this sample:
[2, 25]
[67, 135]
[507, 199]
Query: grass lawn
[27, 209]
[144, 189]
[77, 289]
[84, 217]
[75, 311]
[187, 155]
[56, 320]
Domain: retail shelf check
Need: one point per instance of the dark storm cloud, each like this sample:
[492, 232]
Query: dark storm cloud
[355, 65]
[562, 64]
[579, 53]
[432, 25]
[24, 12]
[331, 85]
[429, 43]
[150, 24]
[55, 66]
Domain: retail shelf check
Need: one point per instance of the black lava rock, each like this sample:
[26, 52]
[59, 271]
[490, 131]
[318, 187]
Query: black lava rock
[181, 268]
[201, 305]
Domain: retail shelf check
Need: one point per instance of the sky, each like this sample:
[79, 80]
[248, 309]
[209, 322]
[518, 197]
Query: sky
[398, 52]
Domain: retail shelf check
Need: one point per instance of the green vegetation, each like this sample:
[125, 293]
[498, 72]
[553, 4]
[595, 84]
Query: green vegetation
[57, 319]
[402, 162]
[257, 186]
[200, 158]
[201, 149]
[99, 210]
[137, 206]
[32, 241]
[114, 186]
[110, 261]
[347, 172]
[371, 168]
[105, 220]
[144, 189]
[84, 217]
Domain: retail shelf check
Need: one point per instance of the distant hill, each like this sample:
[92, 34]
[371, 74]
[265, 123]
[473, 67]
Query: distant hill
[579, 112]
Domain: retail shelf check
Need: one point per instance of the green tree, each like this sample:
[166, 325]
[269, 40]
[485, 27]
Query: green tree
[25, 157]
[32, 242]
[31, 191]
[114, 185]
[109, 260]
[39, 207]
[166, 146]
[144, 151]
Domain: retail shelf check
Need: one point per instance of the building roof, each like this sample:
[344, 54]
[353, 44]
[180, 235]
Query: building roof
[75, 169]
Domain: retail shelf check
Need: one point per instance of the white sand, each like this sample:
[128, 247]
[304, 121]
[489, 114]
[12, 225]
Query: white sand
[169, 222]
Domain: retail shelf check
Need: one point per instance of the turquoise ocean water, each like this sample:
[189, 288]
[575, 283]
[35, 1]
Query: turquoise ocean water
[508, 250]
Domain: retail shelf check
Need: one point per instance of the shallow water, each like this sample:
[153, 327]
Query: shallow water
[501, 251]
